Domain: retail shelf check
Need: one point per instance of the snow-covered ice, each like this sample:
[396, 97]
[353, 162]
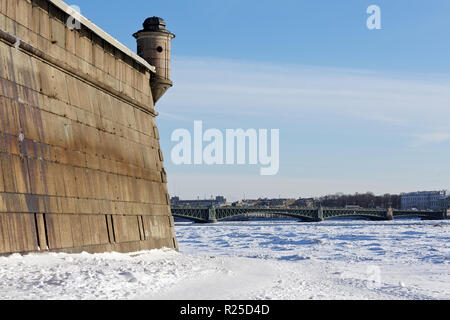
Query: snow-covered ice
[283, 259]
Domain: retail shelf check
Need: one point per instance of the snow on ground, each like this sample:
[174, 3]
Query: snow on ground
[283, 259]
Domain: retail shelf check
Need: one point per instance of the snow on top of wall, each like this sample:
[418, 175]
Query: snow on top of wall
[105, 36]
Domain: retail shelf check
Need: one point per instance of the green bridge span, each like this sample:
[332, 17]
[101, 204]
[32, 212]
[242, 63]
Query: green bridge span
[213, 214]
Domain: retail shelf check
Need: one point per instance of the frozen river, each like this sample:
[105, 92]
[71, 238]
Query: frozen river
[403, 259]
[282, 259]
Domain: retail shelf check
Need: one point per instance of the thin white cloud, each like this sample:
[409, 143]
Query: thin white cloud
[430, 138]
[383, 118]
[179, 117]
[207, 85]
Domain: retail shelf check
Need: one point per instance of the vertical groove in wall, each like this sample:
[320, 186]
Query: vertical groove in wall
[44, 217]
[139, 228]
[38, 238]
[108, 229]
[143, 228]
[112, 228]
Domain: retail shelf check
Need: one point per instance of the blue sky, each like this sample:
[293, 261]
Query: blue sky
[358, 110]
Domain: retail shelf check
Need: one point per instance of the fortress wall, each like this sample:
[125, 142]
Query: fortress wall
[81, 167]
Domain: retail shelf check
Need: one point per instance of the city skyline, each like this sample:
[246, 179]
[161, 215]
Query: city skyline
[204, 197]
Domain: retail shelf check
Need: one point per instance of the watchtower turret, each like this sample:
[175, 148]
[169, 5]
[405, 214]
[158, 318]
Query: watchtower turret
[154, 45]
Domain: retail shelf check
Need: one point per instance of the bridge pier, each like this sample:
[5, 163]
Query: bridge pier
[390, 214]
[319, 215]
[212, 215]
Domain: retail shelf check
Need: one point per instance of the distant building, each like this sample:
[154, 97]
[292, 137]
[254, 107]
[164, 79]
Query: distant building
[218, 202]
[271, 202]
[264, 203]
[304, 203]
[221, 200]
[245, 203]
[423, 200]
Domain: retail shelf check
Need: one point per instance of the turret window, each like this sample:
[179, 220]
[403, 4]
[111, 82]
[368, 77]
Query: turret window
[159, 49]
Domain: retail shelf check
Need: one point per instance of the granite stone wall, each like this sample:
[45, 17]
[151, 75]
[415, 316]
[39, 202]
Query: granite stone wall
[81, 167]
